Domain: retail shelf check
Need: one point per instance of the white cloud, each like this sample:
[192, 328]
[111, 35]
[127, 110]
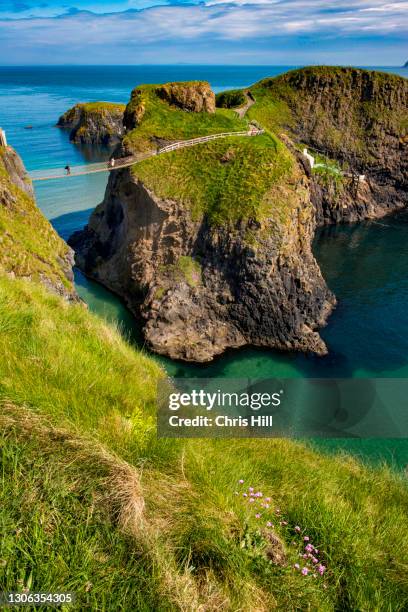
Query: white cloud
[235, 26]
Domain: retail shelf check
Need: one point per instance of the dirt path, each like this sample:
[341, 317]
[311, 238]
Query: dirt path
[242, 110]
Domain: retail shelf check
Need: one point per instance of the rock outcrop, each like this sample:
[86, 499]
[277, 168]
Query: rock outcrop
[29, 246]
[202, 288]
[193, 96]
[94, 123]
[358, 118]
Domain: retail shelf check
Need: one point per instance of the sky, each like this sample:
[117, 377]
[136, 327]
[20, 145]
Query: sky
[271, 32]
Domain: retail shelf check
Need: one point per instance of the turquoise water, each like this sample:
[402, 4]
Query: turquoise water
[366, 265]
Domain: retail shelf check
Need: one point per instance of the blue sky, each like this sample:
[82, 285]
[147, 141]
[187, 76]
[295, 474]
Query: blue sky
[360, 32]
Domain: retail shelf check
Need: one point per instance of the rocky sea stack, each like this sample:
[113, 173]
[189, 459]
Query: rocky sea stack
[212, 244]
[94, 123]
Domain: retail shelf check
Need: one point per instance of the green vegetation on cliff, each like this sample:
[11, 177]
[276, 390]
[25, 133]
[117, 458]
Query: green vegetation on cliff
[343, 110]
[230, 99]
[94, 108]
[29, 247]
[229, 179]
[152, 117]
[226, 180]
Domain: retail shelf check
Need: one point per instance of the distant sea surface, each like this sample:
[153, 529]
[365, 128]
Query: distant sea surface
[366, 264]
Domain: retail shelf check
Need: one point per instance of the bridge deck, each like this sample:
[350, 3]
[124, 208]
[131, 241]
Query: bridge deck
[124, 162]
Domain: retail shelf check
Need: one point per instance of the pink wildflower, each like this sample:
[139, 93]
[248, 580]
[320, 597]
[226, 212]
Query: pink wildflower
[297, 528]
[305, 571]
[251, 500]
[244, 495]
[267, 499]
[251, 489]
[306, 538]
[314, 560]
[269, 524]
[241, 481]
[321, 569]
[296, 566]
[257, 515]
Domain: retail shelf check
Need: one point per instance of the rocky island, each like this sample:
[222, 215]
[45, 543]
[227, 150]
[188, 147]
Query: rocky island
[212, 244]
[94, 123]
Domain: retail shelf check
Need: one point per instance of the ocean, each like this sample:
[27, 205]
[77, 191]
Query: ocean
[366, 264]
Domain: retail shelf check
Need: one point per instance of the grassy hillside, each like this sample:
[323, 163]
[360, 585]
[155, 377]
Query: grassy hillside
[92, 501]
[151, 117]
[349, 112]
[227, 179]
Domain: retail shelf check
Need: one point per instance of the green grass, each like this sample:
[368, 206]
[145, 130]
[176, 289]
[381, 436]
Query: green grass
[59, 526]
[161, 120]
[28, 244]
[109, 107]
[91, 496]
[227, 180]
[57, 355]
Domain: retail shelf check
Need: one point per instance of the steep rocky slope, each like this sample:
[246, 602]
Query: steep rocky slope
[29, 246]
[212, 244]
[356, 118]
[94, 123]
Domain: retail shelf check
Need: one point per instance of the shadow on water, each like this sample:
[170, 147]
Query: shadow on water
[69, 223]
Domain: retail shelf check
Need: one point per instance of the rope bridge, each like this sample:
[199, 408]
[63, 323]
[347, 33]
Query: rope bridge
[124, 162]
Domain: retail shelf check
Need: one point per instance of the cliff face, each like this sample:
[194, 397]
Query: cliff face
[195, 97]
[94, 123]
[29, 246]
[356, 117]
[202, 289]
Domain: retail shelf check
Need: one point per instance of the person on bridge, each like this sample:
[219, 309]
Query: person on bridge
[68, 169]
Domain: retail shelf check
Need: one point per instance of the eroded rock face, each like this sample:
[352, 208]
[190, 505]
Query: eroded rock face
[16, 171]
[203, 289]
[98, 123]
[42, 256]
[195, 97]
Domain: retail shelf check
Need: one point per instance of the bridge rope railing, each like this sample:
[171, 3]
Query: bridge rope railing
[124, 162]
